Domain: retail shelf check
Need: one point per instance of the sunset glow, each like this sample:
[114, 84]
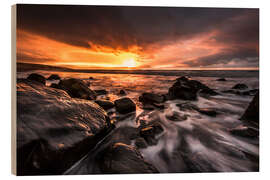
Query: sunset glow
[231, 44]
[129, 63]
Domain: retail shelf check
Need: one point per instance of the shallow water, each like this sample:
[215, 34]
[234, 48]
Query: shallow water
[201, 143]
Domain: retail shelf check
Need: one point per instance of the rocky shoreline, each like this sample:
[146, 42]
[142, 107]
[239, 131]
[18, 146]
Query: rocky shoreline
[60, 124]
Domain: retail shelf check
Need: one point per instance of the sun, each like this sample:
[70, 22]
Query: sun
[129, 63]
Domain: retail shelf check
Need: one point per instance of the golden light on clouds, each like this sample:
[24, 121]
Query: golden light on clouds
[46, 51]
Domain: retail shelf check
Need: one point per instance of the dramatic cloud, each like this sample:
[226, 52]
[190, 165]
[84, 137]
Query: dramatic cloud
[157, 37]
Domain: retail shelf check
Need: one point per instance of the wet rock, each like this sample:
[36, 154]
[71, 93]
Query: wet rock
[180, 91]
[126, 117]
[186, 107]
[54, 77]
[176, 116]
[54, 85]
[245, 131]
[221, 79]
[182, 78]
[208, 91]
[124, 105]
[207, 111]
[230, 91]
[105, 104]
[125, 134]
[37, 78]
[242, 93]
[240, 86]
[140, 143]
[252, 92]
[149, 133]
[54, 130]
[192, 107]
[77, 89]
[101, 92]
[153, 106]
[149, 98]
[187, 89]
[124, 159]
[122, 92]
[251, 114]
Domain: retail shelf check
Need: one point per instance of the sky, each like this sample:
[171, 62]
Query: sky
[113, 37]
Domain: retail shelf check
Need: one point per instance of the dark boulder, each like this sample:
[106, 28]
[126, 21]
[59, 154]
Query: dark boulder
[187, 89]
[182, 91]
[54, 77]
[37, 78]
[252, 112]
[91, 78]
[105, 104]
[122, 92]
[221, 79]
[54, 85]
[54, 130]
[149, 98]
[101, 92]
[240, 86]
[120, 158]
[77, 89]
[124, 105]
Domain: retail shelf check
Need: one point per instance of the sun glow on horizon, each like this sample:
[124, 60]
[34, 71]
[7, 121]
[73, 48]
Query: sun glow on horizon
[129, 63]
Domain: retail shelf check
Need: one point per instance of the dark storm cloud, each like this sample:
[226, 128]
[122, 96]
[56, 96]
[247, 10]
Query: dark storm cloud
[246, 56]
[123, 27]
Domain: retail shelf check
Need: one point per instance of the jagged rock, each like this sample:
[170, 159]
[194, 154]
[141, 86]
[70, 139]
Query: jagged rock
[37, 78]
[124, 105]
[252, 112]
[187, 89]
[77, 89]
[54, 130]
